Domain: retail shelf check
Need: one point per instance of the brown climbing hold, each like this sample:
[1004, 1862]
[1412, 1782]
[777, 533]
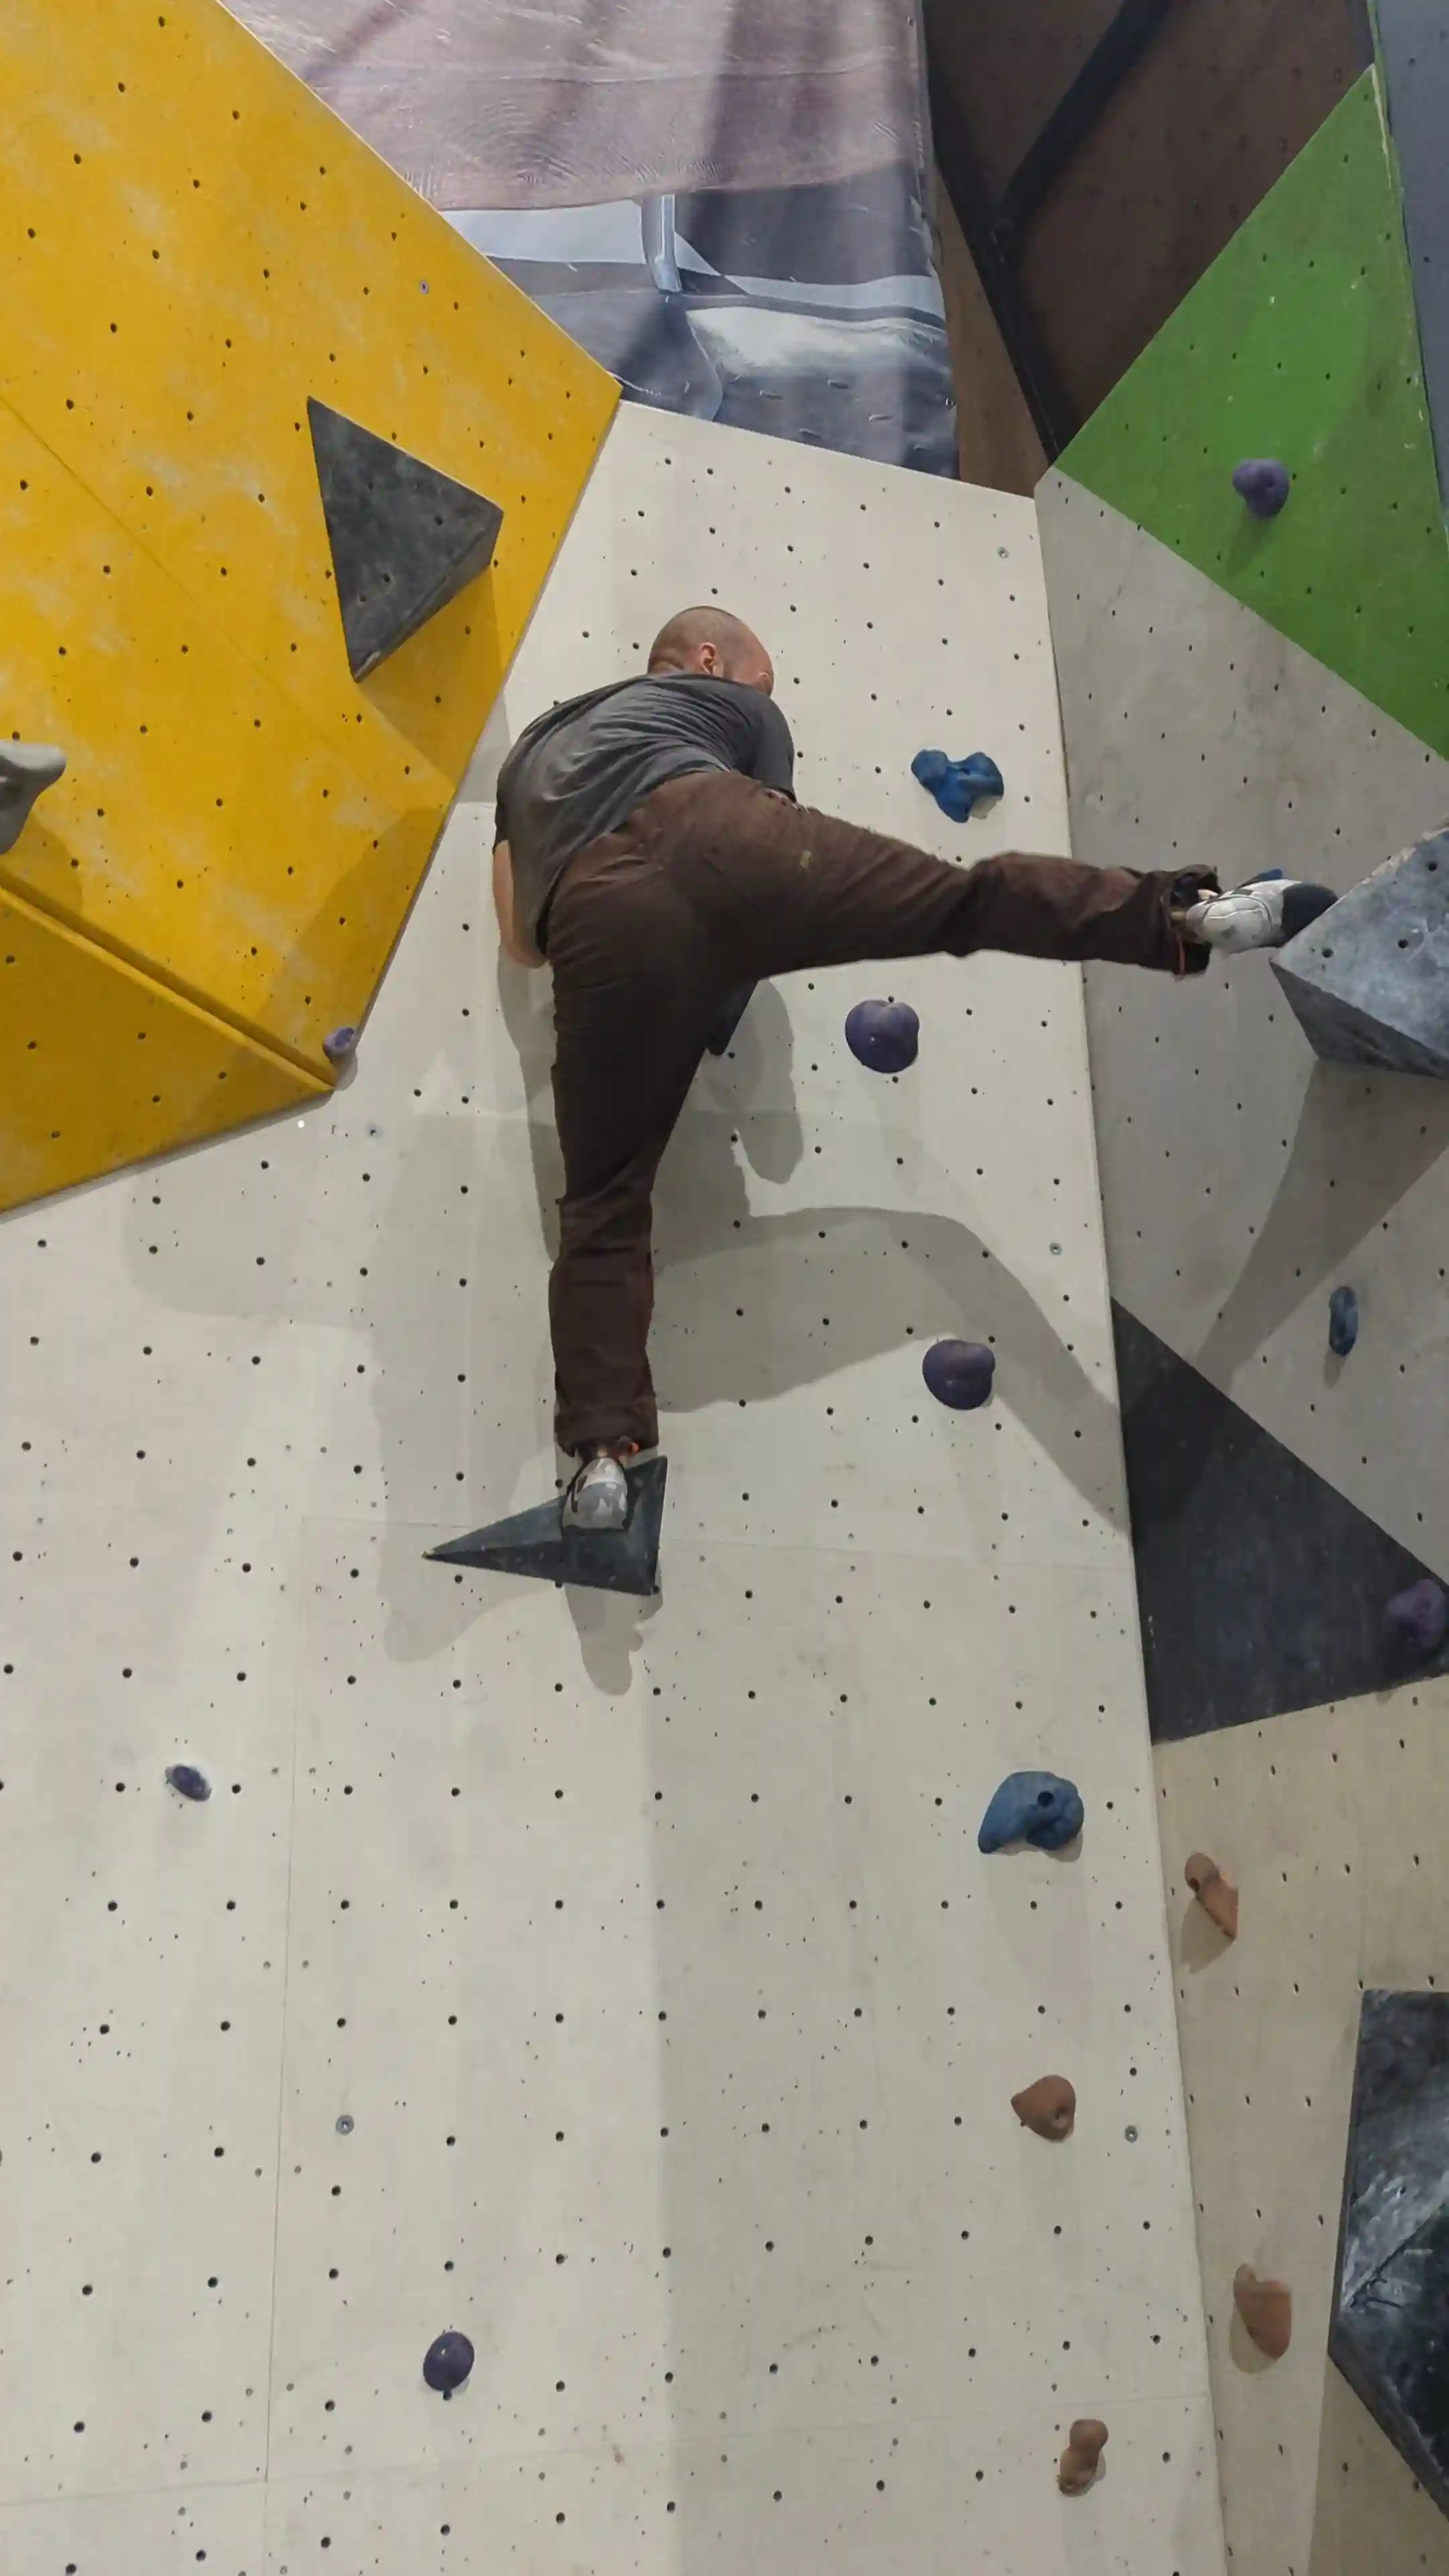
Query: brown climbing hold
[1049, 2106]
[1082, 2455]
[1266, 2308]
[1215, 1894]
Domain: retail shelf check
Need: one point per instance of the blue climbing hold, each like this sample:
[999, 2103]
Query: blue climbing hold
[447, 2362]
[1032, 1807]
[1264, 484]
[883, 1035]
[190, 1782]
[957, 785]
[339, 1044]
[959, 1374]
[1342, 1322]
[1418, 1618]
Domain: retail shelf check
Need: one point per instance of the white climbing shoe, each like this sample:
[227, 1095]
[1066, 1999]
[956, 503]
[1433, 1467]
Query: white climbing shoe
[1266, 912]
[598, 1496]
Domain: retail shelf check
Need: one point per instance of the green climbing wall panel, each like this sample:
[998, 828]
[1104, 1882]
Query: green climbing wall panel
[1301, 342]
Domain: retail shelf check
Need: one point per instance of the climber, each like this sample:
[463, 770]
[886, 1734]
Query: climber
[650, 849]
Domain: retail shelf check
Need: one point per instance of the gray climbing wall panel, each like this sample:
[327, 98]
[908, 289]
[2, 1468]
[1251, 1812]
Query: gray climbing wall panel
[646, 1946]
[1413, 45]
[1241, 1179]
[1332, 1820]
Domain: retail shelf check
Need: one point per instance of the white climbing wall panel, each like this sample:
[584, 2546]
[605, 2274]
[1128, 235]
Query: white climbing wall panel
[1242, 1178]
[645, 1947]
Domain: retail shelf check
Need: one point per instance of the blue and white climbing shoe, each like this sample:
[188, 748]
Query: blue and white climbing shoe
[597, 1498]
[1265, 913]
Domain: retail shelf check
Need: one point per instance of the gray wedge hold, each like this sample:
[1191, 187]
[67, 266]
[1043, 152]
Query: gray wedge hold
[1369, 979]
[26, 770]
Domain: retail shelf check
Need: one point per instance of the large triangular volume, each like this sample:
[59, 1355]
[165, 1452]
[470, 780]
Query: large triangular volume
[1385, 2328]
[405, 539]
[537, 1542]
[1370, 979]
[1210, 1489]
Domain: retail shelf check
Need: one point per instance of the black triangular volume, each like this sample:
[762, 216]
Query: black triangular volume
[537, 1543]
[405, 539]
[1261, 1587]
[1386, 2331]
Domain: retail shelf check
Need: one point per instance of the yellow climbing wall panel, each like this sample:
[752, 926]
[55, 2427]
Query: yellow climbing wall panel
[100, 1066]
[190, 246]
[201, 806]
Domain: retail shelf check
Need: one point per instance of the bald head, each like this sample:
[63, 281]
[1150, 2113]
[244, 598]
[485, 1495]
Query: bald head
[711, 641]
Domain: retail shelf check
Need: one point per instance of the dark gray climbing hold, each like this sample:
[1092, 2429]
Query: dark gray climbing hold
[26, 770]
[1387, 2330]
[405, 538]
[732, 1011]
[447, 2362]
[885, 1036]
[1264, 484]
[958, 785]
[1418, 1618]
[537, 1542]
[340, 1044]
[1342, 1322]
[1369, 979]
[190, 1782]
[959, 1374]
[1032, 1807]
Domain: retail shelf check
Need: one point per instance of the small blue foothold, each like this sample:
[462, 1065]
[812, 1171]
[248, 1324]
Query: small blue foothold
[1418, 1618]
[959, 1374]
[190, 1782]
[883, 1035]
[1264, 484]
[958, 784]
[1342, 1322]
[1032, 1807]
[339, 1044]
[447, 2362]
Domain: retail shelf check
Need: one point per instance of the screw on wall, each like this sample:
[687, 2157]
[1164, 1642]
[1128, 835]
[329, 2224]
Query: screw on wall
[345, 2125]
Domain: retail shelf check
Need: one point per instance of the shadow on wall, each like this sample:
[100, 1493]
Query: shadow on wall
[707, 1235]
[1368, 2498]
[1354, 1156]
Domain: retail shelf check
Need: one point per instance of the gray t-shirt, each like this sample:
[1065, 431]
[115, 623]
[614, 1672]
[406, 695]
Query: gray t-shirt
[580, 769]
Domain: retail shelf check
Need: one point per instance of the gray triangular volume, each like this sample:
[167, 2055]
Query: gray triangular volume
[1370, 979]
[1386, 2329]
[405, 539]
[537, 1542]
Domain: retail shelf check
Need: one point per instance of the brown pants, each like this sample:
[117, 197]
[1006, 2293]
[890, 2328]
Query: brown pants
[715, 882]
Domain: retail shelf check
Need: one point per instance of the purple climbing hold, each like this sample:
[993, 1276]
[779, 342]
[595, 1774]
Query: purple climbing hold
[883, 1035]
[1418, 1618]
[1264, 484]
[1342, 1322]
[339, 1044]
[190, 1782]
[957, 785]
[959, 1374]
[447, 2362]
